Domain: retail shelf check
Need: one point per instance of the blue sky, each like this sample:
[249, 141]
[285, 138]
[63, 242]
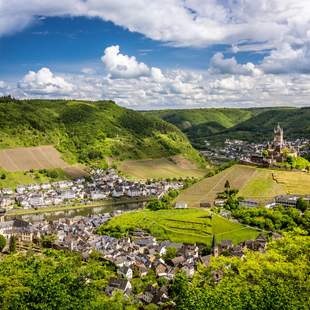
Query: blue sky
[162, 54]
[71, 43]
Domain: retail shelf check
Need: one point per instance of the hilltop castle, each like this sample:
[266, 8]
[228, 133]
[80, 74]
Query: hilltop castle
[278, 140]
[277, 151]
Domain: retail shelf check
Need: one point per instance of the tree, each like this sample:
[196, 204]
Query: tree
[227, 185]
[3, 176]
[301, 204]
[2, 243]
[171, 253]
[47, 241]
[12, 245]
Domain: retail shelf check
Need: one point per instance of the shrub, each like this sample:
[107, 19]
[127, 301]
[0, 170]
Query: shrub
[2, 243]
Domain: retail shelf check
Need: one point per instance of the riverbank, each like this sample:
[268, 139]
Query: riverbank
[103, 203]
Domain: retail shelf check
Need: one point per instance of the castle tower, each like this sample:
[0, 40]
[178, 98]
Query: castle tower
[278, 136]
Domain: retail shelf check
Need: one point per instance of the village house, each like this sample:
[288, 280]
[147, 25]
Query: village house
[120, 284]
[126, 272]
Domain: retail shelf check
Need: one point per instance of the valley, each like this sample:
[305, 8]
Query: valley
[249, 124]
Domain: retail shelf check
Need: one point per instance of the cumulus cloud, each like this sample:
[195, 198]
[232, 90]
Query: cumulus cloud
[287, 59]
[44, 82]
[127, 67]
[221, 65]
[123, 66]
[178, 89]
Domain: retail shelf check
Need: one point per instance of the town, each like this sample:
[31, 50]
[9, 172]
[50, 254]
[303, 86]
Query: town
[101, 185]
[133, 256]
[244, 151]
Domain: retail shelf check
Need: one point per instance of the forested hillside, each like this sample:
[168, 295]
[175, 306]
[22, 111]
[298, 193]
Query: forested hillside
[88, 132]
[256, 124]
[295, 122]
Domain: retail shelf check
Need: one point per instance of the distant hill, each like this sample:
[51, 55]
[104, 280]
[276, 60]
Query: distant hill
[256, 124]
[90, 132]
[295, 121]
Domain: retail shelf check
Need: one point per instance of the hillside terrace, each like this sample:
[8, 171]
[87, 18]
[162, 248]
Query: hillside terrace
[103, 184]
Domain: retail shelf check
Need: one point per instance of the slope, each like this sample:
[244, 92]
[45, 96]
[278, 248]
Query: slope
[200, 124]
[295, 122]
[88, 132]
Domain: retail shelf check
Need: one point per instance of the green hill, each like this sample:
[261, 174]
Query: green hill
[89, 132]
[295, 122]
[200, 124]
[254, 124]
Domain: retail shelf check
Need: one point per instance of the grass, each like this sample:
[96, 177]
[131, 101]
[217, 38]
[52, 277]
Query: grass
[254, 183]
[207, 189]
[294, 182]
[160, 168]
[184, 226]
[262, 186]
[13, 179]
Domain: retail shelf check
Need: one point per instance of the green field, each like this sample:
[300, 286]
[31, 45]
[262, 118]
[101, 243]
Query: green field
[185, 226]
[255, 183]
[13, 179]
[160, 168]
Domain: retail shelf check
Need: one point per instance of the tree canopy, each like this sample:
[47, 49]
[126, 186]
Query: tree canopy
[277, 279]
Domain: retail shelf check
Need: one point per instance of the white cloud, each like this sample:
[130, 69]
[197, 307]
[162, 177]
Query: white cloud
[127, 67]
[123, 66]
[278, 27]
[87, 70]
[221, 65]
[287, 59]
[179, 22]
[2, 85]
[178, 89]
[44, 82]
[4, 88]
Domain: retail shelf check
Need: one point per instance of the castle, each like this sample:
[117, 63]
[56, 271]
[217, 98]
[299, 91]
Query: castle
[277, 151]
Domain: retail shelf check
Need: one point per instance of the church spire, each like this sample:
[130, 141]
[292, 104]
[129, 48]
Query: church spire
[214, 247]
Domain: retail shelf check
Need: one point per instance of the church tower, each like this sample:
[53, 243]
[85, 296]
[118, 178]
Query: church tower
[214, 247]
[278, 136]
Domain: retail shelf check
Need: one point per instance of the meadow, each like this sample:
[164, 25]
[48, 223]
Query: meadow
[293, 182]
[174, 167]
[13, 179]
[182, 225]
[206, 190]
[253, 183]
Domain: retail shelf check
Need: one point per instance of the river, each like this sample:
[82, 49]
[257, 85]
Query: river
[50, 216]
